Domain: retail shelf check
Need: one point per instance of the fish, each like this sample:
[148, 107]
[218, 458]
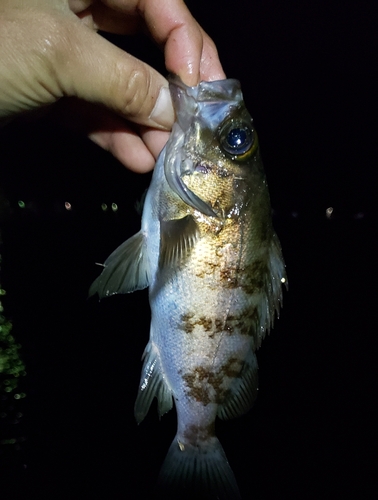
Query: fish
[213, 263]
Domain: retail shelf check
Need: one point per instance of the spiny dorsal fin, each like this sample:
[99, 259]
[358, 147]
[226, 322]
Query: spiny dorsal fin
[125, 270]
[178, 237]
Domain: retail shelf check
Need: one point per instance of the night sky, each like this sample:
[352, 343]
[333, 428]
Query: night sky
[308, 74]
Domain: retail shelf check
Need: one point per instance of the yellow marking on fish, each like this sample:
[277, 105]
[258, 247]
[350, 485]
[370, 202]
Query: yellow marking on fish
[181, 446]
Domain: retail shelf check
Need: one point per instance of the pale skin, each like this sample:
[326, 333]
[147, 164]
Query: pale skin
[53, 59]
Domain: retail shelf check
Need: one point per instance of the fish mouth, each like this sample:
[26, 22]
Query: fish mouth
[217, 91]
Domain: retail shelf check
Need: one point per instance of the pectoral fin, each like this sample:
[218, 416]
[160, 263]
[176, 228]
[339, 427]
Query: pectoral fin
[125, 270]
[243, 391]
[178, 237]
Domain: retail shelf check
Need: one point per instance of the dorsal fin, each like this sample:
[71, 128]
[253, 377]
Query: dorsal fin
[243, 390]
[271, 302]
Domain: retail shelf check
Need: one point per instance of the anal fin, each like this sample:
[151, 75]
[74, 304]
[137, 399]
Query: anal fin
[152, 384]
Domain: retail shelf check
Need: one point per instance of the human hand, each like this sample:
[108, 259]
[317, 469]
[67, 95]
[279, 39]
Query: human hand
[50, 51]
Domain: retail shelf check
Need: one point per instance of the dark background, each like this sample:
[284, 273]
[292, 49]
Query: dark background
[308, 75]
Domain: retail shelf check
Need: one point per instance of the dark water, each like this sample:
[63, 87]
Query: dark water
[306, 80]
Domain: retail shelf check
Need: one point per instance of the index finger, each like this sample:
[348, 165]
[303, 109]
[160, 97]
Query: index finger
[189, 51]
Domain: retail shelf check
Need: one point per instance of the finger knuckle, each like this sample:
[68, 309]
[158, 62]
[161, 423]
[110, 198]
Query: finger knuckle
[136, 93]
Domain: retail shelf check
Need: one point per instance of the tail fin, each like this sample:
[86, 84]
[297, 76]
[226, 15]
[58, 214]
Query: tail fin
[197, 472]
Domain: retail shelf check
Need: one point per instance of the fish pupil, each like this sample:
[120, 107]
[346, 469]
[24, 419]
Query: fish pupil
[236, 138]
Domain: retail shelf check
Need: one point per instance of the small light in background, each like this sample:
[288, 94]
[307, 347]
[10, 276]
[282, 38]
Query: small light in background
[21, 204]
[329, 212]
[283, 280]
[104, 207]
[67, 205]
[358, 216]
[19, 396]
[114, 207]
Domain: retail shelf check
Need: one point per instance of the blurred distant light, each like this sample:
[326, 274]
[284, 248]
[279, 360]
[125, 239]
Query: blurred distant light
[114, 207]
[8, 441]
[67, 205]
[104, 207]
[19, 396]
[283, 280]
[21, 204]
[329, 212]
[359, 215]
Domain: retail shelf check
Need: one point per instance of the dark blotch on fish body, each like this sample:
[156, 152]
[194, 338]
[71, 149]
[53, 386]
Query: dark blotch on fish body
[205, 386]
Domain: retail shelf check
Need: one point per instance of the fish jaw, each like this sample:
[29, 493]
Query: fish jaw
[218, 97]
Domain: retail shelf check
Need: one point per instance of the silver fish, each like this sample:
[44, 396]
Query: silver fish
[213, 264]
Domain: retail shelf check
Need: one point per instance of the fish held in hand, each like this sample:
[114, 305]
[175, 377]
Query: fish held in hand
[208, 252]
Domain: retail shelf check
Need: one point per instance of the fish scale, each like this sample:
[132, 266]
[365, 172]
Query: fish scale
[208, 252]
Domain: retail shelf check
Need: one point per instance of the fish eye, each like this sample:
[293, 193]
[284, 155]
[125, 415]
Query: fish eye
[237, 140]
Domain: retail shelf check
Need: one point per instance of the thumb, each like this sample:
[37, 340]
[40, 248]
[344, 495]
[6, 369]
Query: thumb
[93, 69]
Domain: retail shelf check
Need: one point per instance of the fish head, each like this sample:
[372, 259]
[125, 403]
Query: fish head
[212, 155]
